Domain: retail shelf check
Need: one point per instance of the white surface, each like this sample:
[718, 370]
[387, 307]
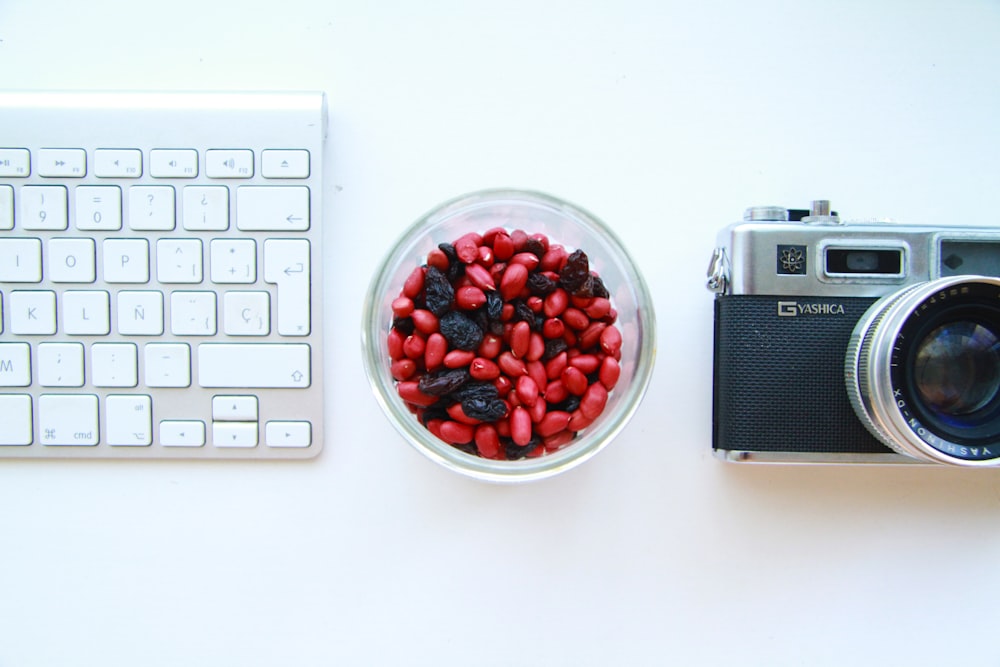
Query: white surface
[665, 119]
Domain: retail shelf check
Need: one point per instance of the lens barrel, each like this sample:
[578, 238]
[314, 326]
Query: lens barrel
[923, 370]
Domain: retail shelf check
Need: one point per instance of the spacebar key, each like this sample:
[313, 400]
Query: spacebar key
[254, 365]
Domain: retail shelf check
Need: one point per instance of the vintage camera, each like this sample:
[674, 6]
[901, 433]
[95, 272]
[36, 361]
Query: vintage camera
[866, 342]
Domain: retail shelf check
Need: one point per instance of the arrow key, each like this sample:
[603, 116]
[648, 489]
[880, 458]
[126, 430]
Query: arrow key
[234, 408]
[182, 433]
[234, 434]
[288, 434]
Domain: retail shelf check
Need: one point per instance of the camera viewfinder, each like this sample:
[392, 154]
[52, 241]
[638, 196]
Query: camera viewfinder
[864, 261]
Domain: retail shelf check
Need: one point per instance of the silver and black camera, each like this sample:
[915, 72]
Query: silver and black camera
[855, 342]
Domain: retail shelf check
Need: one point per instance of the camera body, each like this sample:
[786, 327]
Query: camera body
[865, 342]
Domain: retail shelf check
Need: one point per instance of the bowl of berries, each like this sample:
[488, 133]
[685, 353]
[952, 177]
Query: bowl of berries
[508, 335]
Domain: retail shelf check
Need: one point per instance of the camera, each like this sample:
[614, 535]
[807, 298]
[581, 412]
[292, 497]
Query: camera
[855, 342]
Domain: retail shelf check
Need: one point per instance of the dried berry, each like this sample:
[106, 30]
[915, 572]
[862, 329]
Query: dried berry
[494, 305]
[554, 347]
[535, 247]
[540, 284]
[439, 295]
[575, 272]
[443, 382]
[460, 331]
[514, 452]
[455, 266]
[475, 390]
[484, 409]
[404, 325]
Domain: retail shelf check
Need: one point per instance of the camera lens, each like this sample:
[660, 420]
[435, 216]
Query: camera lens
[923, 370]
[957, 370]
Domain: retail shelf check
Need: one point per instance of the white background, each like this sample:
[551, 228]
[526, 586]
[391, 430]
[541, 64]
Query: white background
[666, 119]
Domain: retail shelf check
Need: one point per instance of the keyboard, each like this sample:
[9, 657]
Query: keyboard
[160, 275]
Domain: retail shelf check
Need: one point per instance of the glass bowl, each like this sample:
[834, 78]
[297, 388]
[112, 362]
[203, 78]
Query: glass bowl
[563, 224]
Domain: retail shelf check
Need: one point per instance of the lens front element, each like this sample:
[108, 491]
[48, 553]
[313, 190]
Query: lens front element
[923, 370]
[957, 371]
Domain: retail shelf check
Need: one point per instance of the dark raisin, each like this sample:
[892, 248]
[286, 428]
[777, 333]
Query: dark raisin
[443, 382]
[481, 319]
[540, 284]
[569, 404]
[460, 331]
[468, 448]
[494, 304]
[586, 290]
[477, 390]
[535, 247]
[404, 325]
[484, 409]
[438, 292]
[514, 452]
[455, 266]
[599, 288]
[553, 347]
[522, 312]
[575, 272]
[437, 411]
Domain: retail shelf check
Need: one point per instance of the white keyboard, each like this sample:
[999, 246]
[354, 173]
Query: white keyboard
[160, 276]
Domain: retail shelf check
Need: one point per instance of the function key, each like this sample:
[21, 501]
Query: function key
[173, 163]
[62, 162]
[117, 163]
[15, 163]
[221, 163]
[285, 164]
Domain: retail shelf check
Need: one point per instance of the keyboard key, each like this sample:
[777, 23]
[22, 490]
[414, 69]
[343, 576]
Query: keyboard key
[15, 431]
[246, 313]
[272, 208]
[167, 365]
[32, 312]
[192, 314]
[130, 421]
[86, 313]
[178, 261]
[126, 260]
[182, 433]
[206, 208]
[117, 163]
[114, 365]
[173, 163]
[234, 408]
[151, 208]
[43, 207]
[253, 365]
[233, 260]
[60, 365]
[284, 164]
[6, 207]
[98, 208]
[20, 260]
[16, 426]
[288, 434]
[68, 419]
[234, 434]
[72, 261]
[140, 313]
[286, 264]
[15, 163]
[229, 163]
[62, 162]
[15, 365]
